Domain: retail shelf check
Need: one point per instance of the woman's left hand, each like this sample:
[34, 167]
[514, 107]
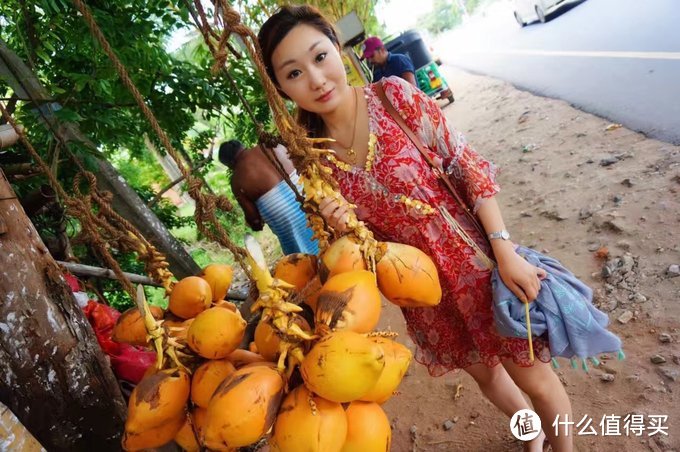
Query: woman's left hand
[522, 278]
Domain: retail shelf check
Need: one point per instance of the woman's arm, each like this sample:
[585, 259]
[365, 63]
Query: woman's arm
[522, 278]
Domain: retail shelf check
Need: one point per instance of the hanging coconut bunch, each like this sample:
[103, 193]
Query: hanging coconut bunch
[206, 392]
[347, 363]
[197, 342]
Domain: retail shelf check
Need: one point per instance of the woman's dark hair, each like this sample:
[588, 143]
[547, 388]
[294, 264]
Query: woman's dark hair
[275, 29]
[228, 151]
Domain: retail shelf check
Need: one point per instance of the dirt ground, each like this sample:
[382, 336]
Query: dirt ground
[572, 184]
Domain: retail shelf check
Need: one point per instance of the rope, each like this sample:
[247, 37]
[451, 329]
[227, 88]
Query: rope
[154, 261]
[205, 205]
[78, 208]
[266, 140]
[305, 157]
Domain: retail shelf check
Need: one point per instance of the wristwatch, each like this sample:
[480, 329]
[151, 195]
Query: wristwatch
[504, 235]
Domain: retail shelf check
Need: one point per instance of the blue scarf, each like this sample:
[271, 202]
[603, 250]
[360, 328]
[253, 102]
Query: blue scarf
[563, 309]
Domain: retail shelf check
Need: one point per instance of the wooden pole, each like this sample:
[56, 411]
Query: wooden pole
[98, 272]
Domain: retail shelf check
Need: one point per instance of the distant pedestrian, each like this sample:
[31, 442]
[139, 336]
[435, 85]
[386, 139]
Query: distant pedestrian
[265, 196]
[387, 63]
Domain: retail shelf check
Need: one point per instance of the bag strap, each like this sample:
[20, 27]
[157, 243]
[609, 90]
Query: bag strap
[421, 147]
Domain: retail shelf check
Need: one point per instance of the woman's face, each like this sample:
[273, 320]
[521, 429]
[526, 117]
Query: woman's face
[309, 70]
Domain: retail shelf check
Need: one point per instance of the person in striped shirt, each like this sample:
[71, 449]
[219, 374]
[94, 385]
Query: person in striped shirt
[265, 197]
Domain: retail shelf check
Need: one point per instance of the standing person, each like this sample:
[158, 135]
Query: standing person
[301, 53]
[386, 64]
[266, 197]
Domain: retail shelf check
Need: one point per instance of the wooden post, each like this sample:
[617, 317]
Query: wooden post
[55, 378]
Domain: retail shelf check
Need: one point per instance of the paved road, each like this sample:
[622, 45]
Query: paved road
[619, 59]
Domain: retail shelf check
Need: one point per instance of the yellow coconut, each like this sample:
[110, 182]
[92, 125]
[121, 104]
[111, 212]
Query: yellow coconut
[216, 332]
[349, 301]
[158, 399]
[186, 438]
[190, 296]
[368, 429]
[267, 340]
[219, 277]
[408, 277]
[296, 269]
[153, 437]
[397, 360]
[207, 378]
[343, 366]
[243, 408]
[342, 256]
[130, 329]
[299, 428]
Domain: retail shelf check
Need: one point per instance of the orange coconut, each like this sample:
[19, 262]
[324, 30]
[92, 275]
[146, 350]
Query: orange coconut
[198, 417]
[310, 294]
[397, 360]
[408, 277]
[219, 278]
[186, 438]
[216, 332]
[153, 437]
[226, 304]
[130, 329]
[267, 340]
[368, 429]
[159, 398]
[299, 428]
[190, 296]
[296, 269]
[243, 408]
[349, 301]
[178, 329]
[342, 256]
[343, 366]
[241, 358]
[207, 378]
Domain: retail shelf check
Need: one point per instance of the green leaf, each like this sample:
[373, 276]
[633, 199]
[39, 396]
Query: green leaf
[43, 56]
[68, 115]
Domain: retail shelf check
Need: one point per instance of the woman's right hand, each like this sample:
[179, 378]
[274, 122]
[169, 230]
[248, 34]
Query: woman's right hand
[335, 214]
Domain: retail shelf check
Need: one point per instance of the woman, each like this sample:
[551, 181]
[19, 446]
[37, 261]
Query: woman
[397, 195]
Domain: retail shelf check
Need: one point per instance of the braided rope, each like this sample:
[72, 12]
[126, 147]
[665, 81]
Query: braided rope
[303, 154]
[79, 208]
[206, 219]
[154, 261]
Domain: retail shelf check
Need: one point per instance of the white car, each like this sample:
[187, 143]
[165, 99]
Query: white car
[527, 11]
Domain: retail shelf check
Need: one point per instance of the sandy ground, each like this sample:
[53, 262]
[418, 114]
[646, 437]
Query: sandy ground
[570, 187]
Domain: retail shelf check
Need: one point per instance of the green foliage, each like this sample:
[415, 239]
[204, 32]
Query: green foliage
[192, 104]
[444, 16]
[166, 211]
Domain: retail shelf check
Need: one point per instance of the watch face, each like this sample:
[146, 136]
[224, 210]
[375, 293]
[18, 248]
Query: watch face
[505, 235]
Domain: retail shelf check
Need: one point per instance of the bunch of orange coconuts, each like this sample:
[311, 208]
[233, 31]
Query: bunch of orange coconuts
[225, 397]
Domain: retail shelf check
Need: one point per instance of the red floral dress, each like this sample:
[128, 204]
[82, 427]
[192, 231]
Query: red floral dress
[460, 331]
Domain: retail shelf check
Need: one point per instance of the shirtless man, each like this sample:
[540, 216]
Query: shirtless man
[265, 197]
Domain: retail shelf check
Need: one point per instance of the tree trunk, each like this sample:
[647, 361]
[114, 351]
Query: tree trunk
[53, 375]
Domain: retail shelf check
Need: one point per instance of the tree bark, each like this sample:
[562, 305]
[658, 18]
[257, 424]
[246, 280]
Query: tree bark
[53, 375]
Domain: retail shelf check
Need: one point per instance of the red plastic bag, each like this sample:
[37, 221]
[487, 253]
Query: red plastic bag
[128, 362]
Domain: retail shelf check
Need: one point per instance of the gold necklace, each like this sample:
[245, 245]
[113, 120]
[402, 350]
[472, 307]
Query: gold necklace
[349, 150]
